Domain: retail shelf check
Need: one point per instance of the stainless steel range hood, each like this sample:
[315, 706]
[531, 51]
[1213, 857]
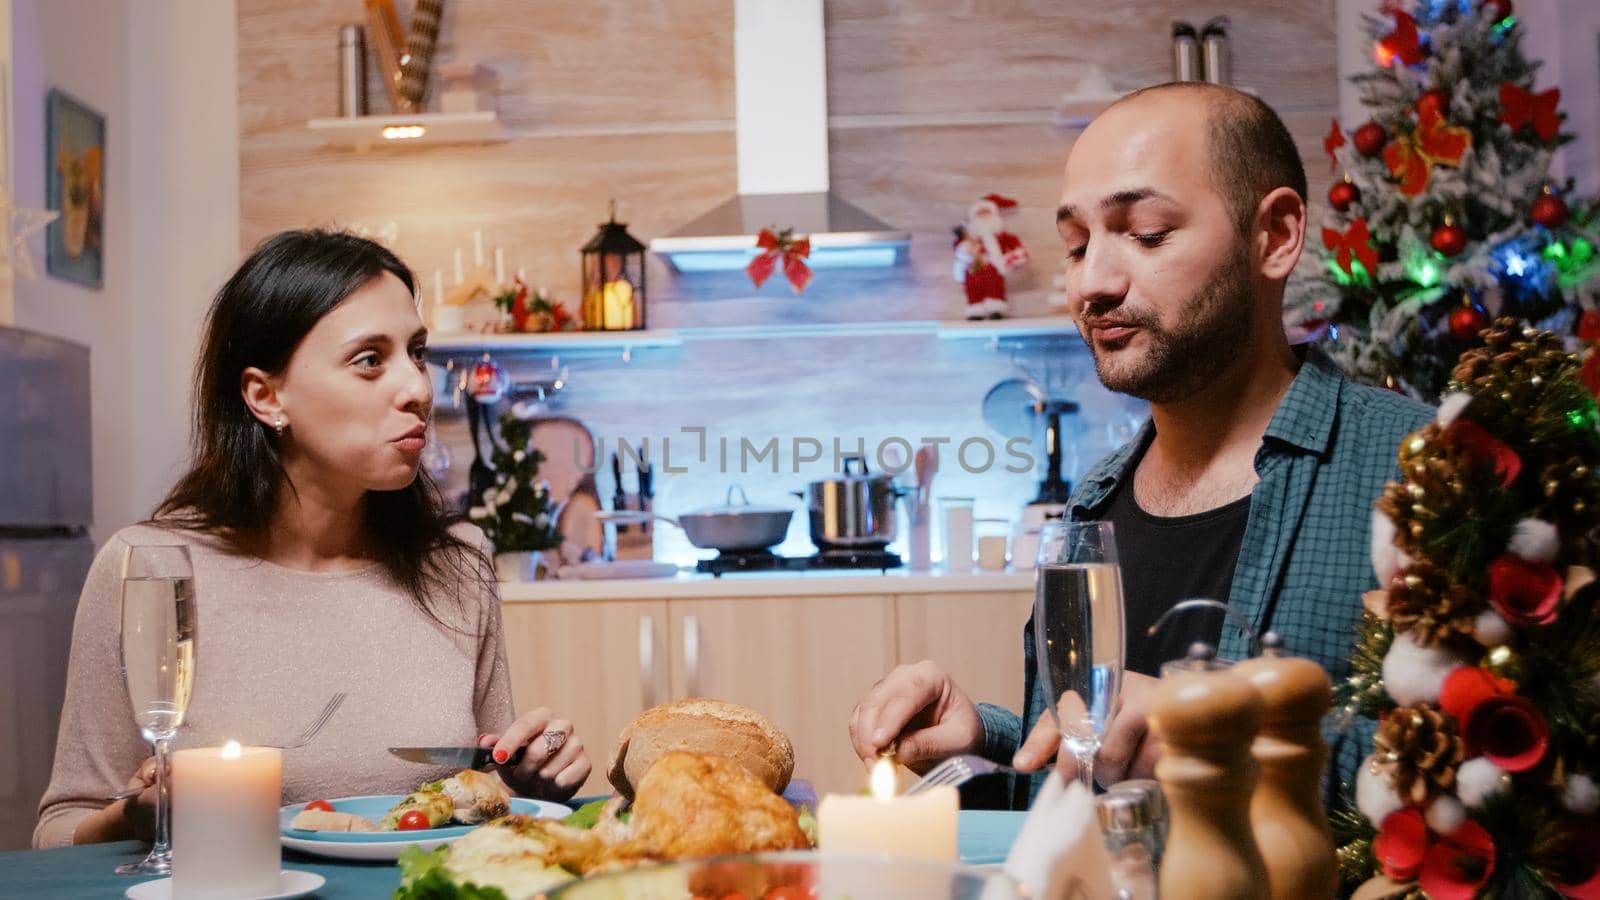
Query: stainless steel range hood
[781, 91]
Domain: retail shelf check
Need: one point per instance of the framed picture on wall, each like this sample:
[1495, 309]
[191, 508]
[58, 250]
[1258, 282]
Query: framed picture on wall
[75, 142]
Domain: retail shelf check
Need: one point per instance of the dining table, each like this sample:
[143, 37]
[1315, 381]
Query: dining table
[985, 837]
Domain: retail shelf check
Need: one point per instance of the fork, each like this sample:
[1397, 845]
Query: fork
[305, 737]
[956, 770]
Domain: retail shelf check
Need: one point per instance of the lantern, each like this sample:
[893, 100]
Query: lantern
[613, 279]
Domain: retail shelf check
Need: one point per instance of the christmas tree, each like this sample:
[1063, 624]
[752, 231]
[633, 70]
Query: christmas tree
[1480, 655]
[516, 512]
[1445, 217]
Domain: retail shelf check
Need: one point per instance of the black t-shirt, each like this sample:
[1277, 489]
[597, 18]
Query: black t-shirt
[1168, 559]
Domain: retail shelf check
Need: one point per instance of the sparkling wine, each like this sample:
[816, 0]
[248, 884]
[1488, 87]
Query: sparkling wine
[1078, 629]
[158, 632]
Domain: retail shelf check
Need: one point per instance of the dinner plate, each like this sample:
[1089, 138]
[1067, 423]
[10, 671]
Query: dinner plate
[386, 844]
[291, 883]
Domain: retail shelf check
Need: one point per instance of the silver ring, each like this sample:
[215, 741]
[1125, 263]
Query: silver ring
[553, 740]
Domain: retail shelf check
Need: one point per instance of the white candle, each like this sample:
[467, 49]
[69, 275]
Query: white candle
[225, 821]
[461, 274]
[919, 827]
[477, 246]
[522, 275]
[499, 265]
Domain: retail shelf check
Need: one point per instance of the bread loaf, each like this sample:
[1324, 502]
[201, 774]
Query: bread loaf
[702, 726]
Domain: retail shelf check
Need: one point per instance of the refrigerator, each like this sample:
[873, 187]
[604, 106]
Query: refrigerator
[46, 504]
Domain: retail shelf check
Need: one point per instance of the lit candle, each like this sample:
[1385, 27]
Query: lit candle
[499, 265]
[919, 827]
[461, 274]
[477, 246]
[225, 821]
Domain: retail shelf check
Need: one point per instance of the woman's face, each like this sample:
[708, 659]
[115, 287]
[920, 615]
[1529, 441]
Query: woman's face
[356, 394]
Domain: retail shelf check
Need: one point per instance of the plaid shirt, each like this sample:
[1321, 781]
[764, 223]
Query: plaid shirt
[1305, 558]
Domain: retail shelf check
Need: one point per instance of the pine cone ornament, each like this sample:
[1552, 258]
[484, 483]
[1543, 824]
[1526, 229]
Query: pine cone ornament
[1509, 371]
[1419, 748]
[1432, 605]
[1571, 494]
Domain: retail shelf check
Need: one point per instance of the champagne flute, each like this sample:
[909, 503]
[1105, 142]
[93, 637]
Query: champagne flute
[158, 635]
[1077, 633]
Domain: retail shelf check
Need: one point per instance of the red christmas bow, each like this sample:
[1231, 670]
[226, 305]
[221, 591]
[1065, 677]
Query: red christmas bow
[1519, 107]
[1411, 157]
[1355, 243]
[782, 245]
[1332, 143]
[1403, 43]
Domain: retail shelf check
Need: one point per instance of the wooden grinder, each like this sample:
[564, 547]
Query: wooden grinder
[1207, 717]
[1286, 813]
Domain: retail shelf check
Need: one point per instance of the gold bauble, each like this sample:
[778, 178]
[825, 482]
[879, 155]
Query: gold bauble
[1505, 663]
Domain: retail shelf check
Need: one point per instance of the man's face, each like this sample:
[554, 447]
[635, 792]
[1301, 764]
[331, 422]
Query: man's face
[1159, 281]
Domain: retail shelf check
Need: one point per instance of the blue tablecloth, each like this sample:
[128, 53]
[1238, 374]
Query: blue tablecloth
[87, 872]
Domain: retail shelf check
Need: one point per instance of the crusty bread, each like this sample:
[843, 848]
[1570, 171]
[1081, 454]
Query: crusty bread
[702, 726]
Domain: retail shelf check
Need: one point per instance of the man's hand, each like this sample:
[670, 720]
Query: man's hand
[921, 709]
[1128, 749]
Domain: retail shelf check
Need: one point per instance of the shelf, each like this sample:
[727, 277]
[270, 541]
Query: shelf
[364, 132]
[573, 341]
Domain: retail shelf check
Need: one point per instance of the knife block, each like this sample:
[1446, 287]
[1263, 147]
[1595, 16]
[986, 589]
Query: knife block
[636, 541]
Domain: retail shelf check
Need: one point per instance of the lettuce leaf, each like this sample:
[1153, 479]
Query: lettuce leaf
[424, 877]
[585, 816]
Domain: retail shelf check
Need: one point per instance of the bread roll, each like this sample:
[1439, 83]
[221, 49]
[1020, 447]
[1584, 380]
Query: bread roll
[702, 726]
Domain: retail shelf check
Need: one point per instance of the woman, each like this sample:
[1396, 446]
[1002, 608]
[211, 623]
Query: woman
[323, 561]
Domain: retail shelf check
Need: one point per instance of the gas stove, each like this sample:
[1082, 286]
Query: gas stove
[767, 561]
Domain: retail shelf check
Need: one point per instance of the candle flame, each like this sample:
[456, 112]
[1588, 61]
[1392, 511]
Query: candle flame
[230, 750]
[883, 779]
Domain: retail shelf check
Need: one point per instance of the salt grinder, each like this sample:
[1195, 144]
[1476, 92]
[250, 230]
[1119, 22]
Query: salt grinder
[1207, 716]
[1286, 812]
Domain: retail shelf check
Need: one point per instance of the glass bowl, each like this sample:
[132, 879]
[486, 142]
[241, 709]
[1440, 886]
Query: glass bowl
[799, 875]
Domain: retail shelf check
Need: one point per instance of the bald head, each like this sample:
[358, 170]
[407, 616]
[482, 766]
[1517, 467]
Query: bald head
[1249, 148]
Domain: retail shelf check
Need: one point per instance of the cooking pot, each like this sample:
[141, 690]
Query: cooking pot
[853, 511]
[730, 528]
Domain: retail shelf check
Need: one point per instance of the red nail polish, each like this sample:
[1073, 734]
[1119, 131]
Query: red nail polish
[500, 756]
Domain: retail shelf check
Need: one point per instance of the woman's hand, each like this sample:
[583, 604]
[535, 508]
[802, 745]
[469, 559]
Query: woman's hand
[553, 765]
[130, 819]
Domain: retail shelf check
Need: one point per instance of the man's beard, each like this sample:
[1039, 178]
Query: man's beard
[1179, 362]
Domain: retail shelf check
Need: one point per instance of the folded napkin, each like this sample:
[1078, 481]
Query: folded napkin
[1060, 852]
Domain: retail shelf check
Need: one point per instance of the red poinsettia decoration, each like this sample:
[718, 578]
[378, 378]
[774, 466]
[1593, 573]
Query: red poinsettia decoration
[1524, 593]
[1403, 43]
[1332, 143]
[1454, 867]
[1485, 450]
[1354, 244]
[1435, 141]
[781, 246]
[1520, 107]
[1467, 687]
[1591, 371]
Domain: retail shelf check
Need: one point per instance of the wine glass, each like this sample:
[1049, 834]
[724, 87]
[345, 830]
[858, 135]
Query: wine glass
[158, 635]
[1077, 632]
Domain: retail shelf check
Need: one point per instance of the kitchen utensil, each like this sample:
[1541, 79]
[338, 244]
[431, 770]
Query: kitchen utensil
[956, 770]
[462, 757]
[619, 497]
[1020, 408]
[853, 510]
[731, 528]
[957, 533]
[480, 477]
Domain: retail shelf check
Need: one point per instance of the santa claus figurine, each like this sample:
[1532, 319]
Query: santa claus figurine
[985, 254]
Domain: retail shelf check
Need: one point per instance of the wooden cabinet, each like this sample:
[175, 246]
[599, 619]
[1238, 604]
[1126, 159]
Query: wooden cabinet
[804, 662]
[600, 663]
[975, 637]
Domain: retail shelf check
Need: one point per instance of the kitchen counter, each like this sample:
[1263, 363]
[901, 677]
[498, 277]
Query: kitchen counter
[829, 582]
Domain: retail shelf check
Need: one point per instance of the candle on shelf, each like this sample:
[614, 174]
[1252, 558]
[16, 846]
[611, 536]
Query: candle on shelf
[225, 821]
[919, 827]
[477, 247]
[499, 265]
[461, 274]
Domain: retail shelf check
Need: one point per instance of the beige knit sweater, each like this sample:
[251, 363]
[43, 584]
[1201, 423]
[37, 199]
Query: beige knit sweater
[272, 645]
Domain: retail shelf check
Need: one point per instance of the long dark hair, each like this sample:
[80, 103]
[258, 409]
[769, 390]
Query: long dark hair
[232, 488]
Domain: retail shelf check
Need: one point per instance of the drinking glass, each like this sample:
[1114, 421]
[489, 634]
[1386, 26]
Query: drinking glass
[158, 644]
[1077, 633]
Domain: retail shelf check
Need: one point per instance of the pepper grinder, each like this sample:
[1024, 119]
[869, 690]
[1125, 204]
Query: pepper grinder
[1286, 812]
[1207, 716]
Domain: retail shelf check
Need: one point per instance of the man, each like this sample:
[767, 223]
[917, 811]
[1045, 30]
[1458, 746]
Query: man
[1183, 212]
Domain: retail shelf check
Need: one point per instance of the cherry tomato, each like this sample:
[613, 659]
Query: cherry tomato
[413, 820]
[323, 805]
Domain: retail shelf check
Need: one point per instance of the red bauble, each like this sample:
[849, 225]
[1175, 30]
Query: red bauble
[1342, 195]
[1466, 321]
[1548, 210]
[1434, 102]
[1497, 9]
[1449, 239]
[1370, 138]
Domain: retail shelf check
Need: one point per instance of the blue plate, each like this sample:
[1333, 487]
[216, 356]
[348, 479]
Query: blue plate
[987, 835]
[386, 844]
